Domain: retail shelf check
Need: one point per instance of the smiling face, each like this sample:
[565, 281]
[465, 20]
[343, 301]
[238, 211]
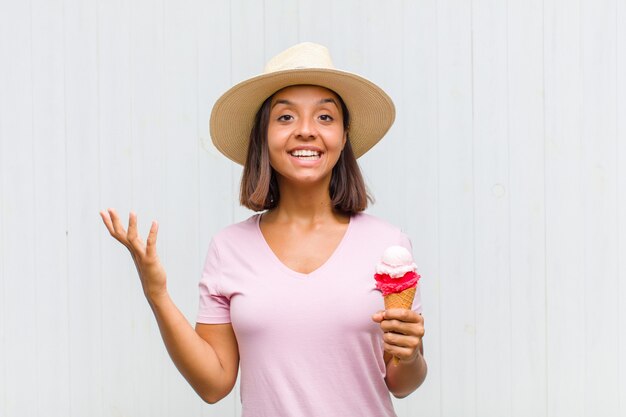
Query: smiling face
[305, 134]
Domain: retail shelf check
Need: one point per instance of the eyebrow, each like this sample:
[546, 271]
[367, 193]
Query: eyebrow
[289, 103]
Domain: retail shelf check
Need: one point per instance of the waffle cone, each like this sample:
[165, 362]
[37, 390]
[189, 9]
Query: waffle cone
[402, 299]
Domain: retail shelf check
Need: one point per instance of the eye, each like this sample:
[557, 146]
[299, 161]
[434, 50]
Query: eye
[326, 118]
[285, 118]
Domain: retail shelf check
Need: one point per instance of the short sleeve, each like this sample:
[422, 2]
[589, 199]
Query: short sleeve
[214, 307]
[417, 301]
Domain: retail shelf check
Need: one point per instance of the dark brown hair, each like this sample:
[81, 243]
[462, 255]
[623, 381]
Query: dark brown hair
[259, 187]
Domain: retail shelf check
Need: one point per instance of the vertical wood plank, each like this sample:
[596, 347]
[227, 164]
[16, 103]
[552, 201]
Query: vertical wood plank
[50, 222]
[348, 28]
[18, 209]
[280, 26]
[4, 345]
[417, 120]
[314, 21]
[215, 197]
[599, 181]
[148, 156]
[85, 231]
[180, 234]
[456, 213]
[527, 206]
[491, 208]
[120, 287]
[147, 82]
[620, 152]
[383, 64]
[565, 297]
[248, 57]
[214, 78]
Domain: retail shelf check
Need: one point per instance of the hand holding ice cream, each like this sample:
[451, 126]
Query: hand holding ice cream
[396, 277]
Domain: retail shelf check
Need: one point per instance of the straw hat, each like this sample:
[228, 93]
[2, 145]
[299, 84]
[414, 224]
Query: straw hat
[371, 110]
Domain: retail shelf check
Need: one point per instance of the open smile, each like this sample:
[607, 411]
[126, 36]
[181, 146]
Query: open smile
[306, 154]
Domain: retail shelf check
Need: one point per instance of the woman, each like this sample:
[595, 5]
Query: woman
[288, 295]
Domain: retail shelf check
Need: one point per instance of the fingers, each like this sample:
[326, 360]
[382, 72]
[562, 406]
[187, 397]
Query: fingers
[404, 346]
[402, 353]
[118, 228]
[378, 316]
[401, 340]
[130, 238]
[397, 315]
[407, 322]
[133, 236]
[403, 331]
[152, 239]
[404, 315]
[112, 222]
[107, 221]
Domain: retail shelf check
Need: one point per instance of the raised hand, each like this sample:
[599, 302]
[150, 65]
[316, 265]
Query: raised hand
[144, 254]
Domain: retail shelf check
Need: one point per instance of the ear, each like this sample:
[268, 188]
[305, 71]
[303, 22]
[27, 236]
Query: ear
[345, 138]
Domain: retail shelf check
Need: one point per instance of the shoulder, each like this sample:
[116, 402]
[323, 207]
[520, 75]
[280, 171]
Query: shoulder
[236, 242]
[373, 223]
[370, 236]
[237, 232]
[245, 226]
[367, 224]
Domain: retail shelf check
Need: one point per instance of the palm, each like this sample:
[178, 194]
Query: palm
[144, 253]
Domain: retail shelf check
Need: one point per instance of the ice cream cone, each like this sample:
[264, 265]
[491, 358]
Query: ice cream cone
[396, 276]
[402, 299]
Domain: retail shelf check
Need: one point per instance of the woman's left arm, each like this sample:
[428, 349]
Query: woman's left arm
[402, 337]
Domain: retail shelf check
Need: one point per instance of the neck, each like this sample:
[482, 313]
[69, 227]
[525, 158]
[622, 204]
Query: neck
[306, 204]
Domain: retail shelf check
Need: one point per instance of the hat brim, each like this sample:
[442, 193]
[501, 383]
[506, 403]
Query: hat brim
[371, 110]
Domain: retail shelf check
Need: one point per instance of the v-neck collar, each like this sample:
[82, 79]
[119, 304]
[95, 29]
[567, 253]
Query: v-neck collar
[292, 272]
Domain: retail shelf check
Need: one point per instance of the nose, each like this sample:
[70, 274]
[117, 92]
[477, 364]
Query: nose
[306, 128]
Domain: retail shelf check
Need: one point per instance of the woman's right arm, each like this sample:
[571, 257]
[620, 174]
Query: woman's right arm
[208, 356]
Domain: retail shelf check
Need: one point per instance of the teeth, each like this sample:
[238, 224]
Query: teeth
[305, 153]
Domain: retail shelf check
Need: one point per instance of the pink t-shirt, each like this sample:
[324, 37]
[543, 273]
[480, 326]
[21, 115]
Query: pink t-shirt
[307, 343]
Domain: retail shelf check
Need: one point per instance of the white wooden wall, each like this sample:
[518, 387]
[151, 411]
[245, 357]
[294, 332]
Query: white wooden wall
[505, 166]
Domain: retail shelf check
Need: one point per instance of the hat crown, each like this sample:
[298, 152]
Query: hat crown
[302, 55]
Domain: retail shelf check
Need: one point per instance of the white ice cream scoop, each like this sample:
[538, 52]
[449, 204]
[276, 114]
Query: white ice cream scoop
[396, 262]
